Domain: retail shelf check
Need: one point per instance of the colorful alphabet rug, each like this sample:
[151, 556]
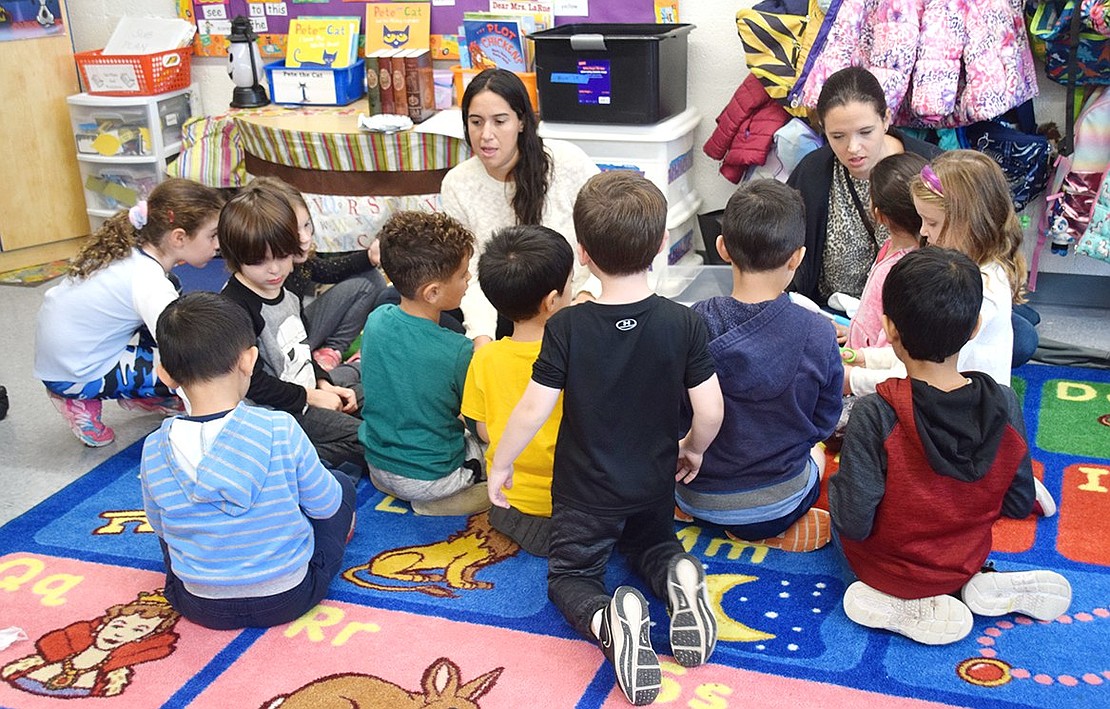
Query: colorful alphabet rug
[446, 612]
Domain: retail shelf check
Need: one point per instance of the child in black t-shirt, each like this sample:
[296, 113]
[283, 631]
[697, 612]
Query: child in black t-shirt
[624, 365]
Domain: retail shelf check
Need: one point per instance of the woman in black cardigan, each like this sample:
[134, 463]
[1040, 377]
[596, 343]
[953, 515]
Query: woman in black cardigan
[842, 238]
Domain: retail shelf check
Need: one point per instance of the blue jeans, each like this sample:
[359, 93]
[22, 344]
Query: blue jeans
[1024, 320]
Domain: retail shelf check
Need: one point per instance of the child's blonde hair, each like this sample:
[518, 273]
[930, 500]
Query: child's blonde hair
[174, 204]
[975, 197]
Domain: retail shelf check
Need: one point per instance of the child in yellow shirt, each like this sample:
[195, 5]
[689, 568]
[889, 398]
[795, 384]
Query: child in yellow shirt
[525, 273]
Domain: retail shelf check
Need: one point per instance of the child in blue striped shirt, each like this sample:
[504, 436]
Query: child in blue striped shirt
[252, 526]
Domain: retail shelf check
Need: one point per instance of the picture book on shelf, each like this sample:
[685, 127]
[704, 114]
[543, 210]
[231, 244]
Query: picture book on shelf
[322, 42]
[398, 25]
[496, 41]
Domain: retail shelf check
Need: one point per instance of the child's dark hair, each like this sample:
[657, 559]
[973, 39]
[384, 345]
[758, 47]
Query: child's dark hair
[175, 203]
[256, 221]
[933, 296]
[201, 337]
[763, 224]
[520, 265]
[853, 84]
[530, 174]
[890, 190]
[619, 218]
[421, 247]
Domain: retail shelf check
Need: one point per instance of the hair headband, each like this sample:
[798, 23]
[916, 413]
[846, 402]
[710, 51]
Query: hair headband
[137, 215]
[932, 181]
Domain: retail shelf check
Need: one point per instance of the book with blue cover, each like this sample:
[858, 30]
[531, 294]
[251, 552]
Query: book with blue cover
[496, 41]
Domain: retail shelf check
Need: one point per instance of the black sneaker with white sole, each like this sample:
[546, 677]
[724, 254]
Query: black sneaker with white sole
[625, 639]
[693, 627]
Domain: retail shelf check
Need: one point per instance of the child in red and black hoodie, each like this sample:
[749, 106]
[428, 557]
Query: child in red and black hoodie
[929, 463]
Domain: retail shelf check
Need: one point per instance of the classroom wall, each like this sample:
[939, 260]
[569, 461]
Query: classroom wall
[716, 68]
[715, 61]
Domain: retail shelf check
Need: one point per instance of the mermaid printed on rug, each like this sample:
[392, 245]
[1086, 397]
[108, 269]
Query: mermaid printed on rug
[439, 687]
[94, 658]
[441, 568]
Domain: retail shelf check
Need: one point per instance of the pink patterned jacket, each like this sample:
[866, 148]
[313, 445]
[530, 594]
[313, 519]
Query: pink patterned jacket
[917, 48]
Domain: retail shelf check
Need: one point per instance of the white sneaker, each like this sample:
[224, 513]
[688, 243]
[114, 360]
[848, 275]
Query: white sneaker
[1044, 499]
[1041, 594]
[936, 620]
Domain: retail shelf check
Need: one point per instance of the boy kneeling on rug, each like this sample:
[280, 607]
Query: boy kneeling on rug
[929, 463]
[252, 526]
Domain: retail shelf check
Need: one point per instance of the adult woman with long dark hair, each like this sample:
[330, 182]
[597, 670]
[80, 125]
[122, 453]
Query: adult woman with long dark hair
[842, 236]
[514, 177]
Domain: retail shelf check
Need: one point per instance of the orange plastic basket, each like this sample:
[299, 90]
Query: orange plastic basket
[134, 75]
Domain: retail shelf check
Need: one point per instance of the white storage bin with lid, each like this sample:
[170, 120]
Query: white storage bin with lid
[682, 236]
[663, 152]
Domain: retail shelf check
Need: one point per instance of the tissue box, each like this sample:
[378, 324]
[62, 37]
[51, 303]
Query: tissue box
[308, 86]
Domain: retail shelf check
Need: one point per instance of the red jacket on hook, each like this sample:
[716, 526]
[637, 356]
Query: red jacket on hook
[745, 129]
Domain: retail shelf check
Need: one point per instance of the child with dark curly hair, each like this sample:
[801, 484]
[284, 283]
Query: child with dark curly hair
[413, 371]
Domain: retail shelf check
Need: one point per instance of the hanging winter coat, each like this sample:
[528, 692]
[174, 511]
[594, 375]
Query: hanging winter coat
[970, 60]
[745, 129]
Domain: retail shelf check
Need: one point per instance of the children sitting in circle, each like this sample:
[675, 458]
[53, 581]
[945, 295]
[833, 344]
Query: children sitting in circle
[604, 383]
[94, 338]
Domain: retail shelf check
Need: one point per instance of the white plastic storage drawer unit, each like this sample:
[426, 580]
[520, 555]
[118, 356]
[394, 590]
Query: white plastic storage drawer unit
[124, 144]
[663, 153]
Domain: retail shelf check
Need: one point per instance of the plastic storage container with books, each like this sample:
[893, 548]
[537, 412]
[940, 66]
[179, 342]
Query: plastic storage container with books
[122, 127]
[612, 73]
[115, 184]
[303, 86]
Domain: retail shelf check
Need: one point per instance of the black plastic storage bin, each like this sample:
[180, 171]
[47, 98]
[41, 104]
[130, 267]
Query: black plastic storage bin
[612, 73]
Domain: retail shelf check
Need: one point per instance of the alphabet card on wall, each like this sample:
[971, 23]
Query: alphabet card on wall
[398, 25]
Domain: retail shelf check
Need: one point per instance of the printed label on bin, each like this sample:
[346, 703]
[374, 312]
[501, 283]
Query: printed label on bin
[593, 81]
[609, 167]
[111, 77]
[301, 86]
